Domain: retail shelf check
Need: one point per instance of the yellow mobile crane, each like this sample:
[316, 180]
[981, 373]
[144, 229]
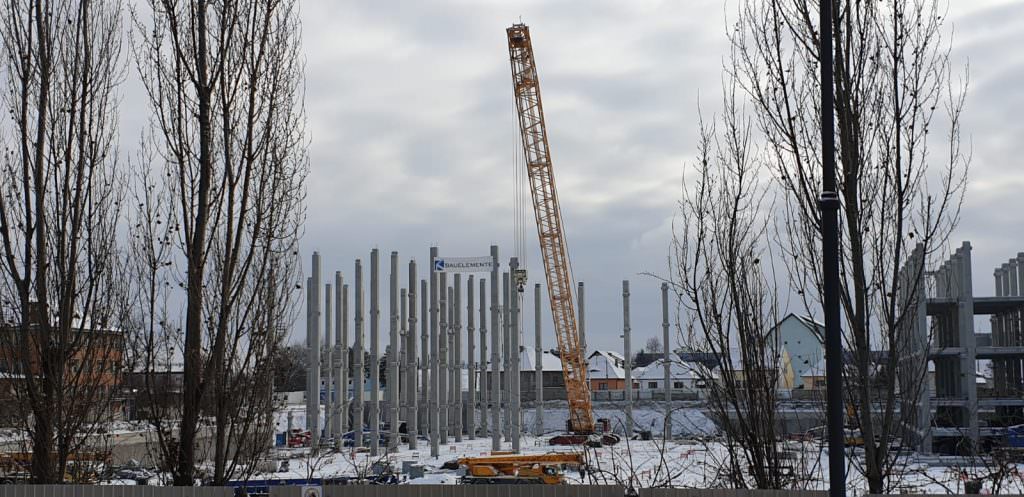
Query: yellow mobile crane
[504, 468]
[552, 237]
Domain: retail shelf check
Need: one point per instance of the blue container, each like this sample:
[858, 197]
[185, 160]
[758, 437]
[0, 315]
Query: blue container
[1015, 436]
[280, 439]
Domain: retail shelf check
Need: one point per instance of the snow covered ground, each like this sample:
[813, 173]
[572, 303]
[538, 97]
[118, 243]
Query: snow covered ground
[637, 463]
[686, 422]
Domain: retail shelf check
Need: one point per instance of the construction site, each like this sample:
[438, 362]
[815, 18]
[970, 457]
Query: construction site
[790, 301]
[467, 386]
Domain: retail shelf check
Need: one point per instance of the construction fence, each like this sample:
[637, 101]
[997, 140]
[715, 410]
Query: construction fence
[112, 491]
[727, 492]
[456, 491]
[392, 491]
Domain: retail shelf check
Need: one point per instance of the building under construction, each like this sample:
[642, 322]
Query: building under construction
[978, 391]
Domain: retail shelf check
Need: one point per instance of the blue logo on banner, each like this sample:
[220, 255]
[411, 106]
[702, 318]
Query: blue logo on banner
[438, 264]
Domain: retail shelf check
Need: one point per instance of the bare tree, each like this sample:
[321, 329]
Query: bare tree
[895, 101]
[224, 82]
[59, 192]
[728, 300]
[653, 345]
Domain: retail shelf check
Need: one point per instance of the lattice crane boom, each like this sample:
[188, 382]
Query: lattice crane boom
[549, 227]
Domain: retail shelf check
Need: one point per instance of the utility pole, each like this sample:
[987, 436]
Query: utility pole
[828, 204]
[629, 360]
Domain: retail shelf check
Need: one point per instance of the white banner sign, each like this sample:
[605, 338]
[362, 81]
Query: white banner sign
[463, 264]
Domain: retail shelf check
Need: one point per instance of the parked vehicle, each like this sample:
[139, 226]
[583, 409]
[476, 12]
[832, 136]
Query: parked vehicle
[299, 438]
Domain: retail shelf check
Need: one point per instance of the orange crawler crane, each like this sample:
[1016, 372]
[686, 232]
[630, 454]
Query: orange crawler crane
[552, 239]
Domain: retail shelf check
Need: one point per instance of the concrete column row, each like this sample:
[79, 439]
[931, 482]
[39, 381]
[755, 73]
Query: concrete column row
[422, 386]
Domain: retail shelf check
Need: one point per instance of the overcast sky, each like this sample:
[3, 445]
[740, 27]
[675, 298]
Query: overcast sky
[412, 133]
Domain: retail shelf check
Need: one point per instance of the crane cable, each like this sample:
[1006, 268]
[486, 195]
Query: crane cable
[519, 177]
[522, 200]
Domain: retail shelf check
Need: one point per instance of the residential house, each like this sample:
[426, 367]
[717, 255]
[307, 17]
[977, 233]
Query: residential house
[155, 390]
[96, 357]
[551, 372]
[786, 377]
[802, 338]
[606, 371]
[684, 376]
[814, 378]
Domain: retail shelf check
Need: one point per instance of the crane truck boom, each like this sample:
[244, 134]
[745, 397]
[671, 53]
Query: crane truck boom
[501, 468]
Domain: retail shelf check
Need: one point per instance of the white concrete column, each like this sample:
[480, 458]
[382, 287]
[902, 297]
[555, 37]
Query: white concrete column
[506, 361]
[538, 425]
[313, 397]
[495, 395]
[374, 352]
[470, 360]
[484, 396]
[668, 359]
[403, 352]
[627, 354]
[392, 363]
[450, 357]
[515, 411]
[444, 376]
[435, 428]
[412, 387]
[423, 414]
[329, 367]
[358, 371]
[457, 354]
[340, 355]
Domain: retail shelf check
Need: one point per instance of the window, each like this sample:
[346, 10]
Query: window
[677, 384]
[652, 384]
[602, 386]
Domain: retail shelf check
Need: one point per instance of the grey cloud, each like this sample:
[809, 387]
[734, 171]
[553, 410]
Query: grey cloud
[412, 132]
